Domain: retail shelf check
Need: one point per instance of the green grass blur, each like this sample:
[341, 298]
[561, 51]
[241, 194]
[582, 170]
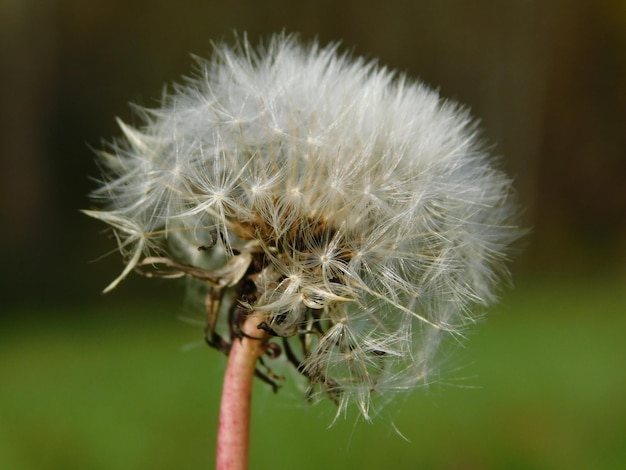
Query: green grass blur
[541, 384]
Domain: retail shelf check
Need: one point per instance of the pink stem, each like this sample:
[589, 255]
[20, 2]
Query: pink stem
[234, 424]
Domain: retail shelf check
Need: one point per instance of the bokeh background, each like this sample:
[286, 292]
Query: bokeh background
[116, 382]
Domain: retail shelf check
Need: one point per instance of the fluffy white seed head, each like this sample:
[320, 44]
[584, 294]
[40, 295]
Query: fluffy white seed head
[354, 209]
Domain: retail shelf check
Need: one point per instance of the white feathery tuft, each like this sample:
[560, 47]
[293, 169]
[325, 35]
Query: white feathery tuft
[376, 216]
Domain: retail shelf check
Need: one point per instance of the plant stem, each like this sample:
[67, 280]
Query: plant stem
[234, 423]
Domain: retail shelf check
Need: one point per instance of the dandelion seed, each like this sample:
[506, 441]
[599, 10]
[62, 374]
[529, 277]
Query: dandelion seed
[353, 212]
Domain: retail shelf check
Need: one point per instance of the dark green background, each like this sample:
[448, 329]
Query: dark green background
[92, 381]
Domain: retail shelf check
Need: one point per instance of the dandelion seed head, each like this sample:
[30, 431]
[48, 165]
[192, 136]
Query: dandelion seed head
[351, 207]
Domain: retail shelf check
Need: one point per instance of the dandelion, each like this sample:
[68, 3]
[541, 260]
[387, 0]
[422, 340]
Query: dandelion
[335, 215]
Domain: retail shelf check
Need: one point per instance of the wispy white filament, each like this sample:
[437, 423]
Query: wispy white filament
[377, 214]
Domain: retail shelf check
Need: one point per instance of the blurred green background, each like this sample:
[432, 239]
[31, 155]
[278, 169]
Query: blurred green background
[117, 382]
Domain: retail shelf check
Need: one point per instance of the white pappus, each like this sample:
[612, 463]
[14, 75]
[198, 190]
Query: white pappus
[353, 209]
